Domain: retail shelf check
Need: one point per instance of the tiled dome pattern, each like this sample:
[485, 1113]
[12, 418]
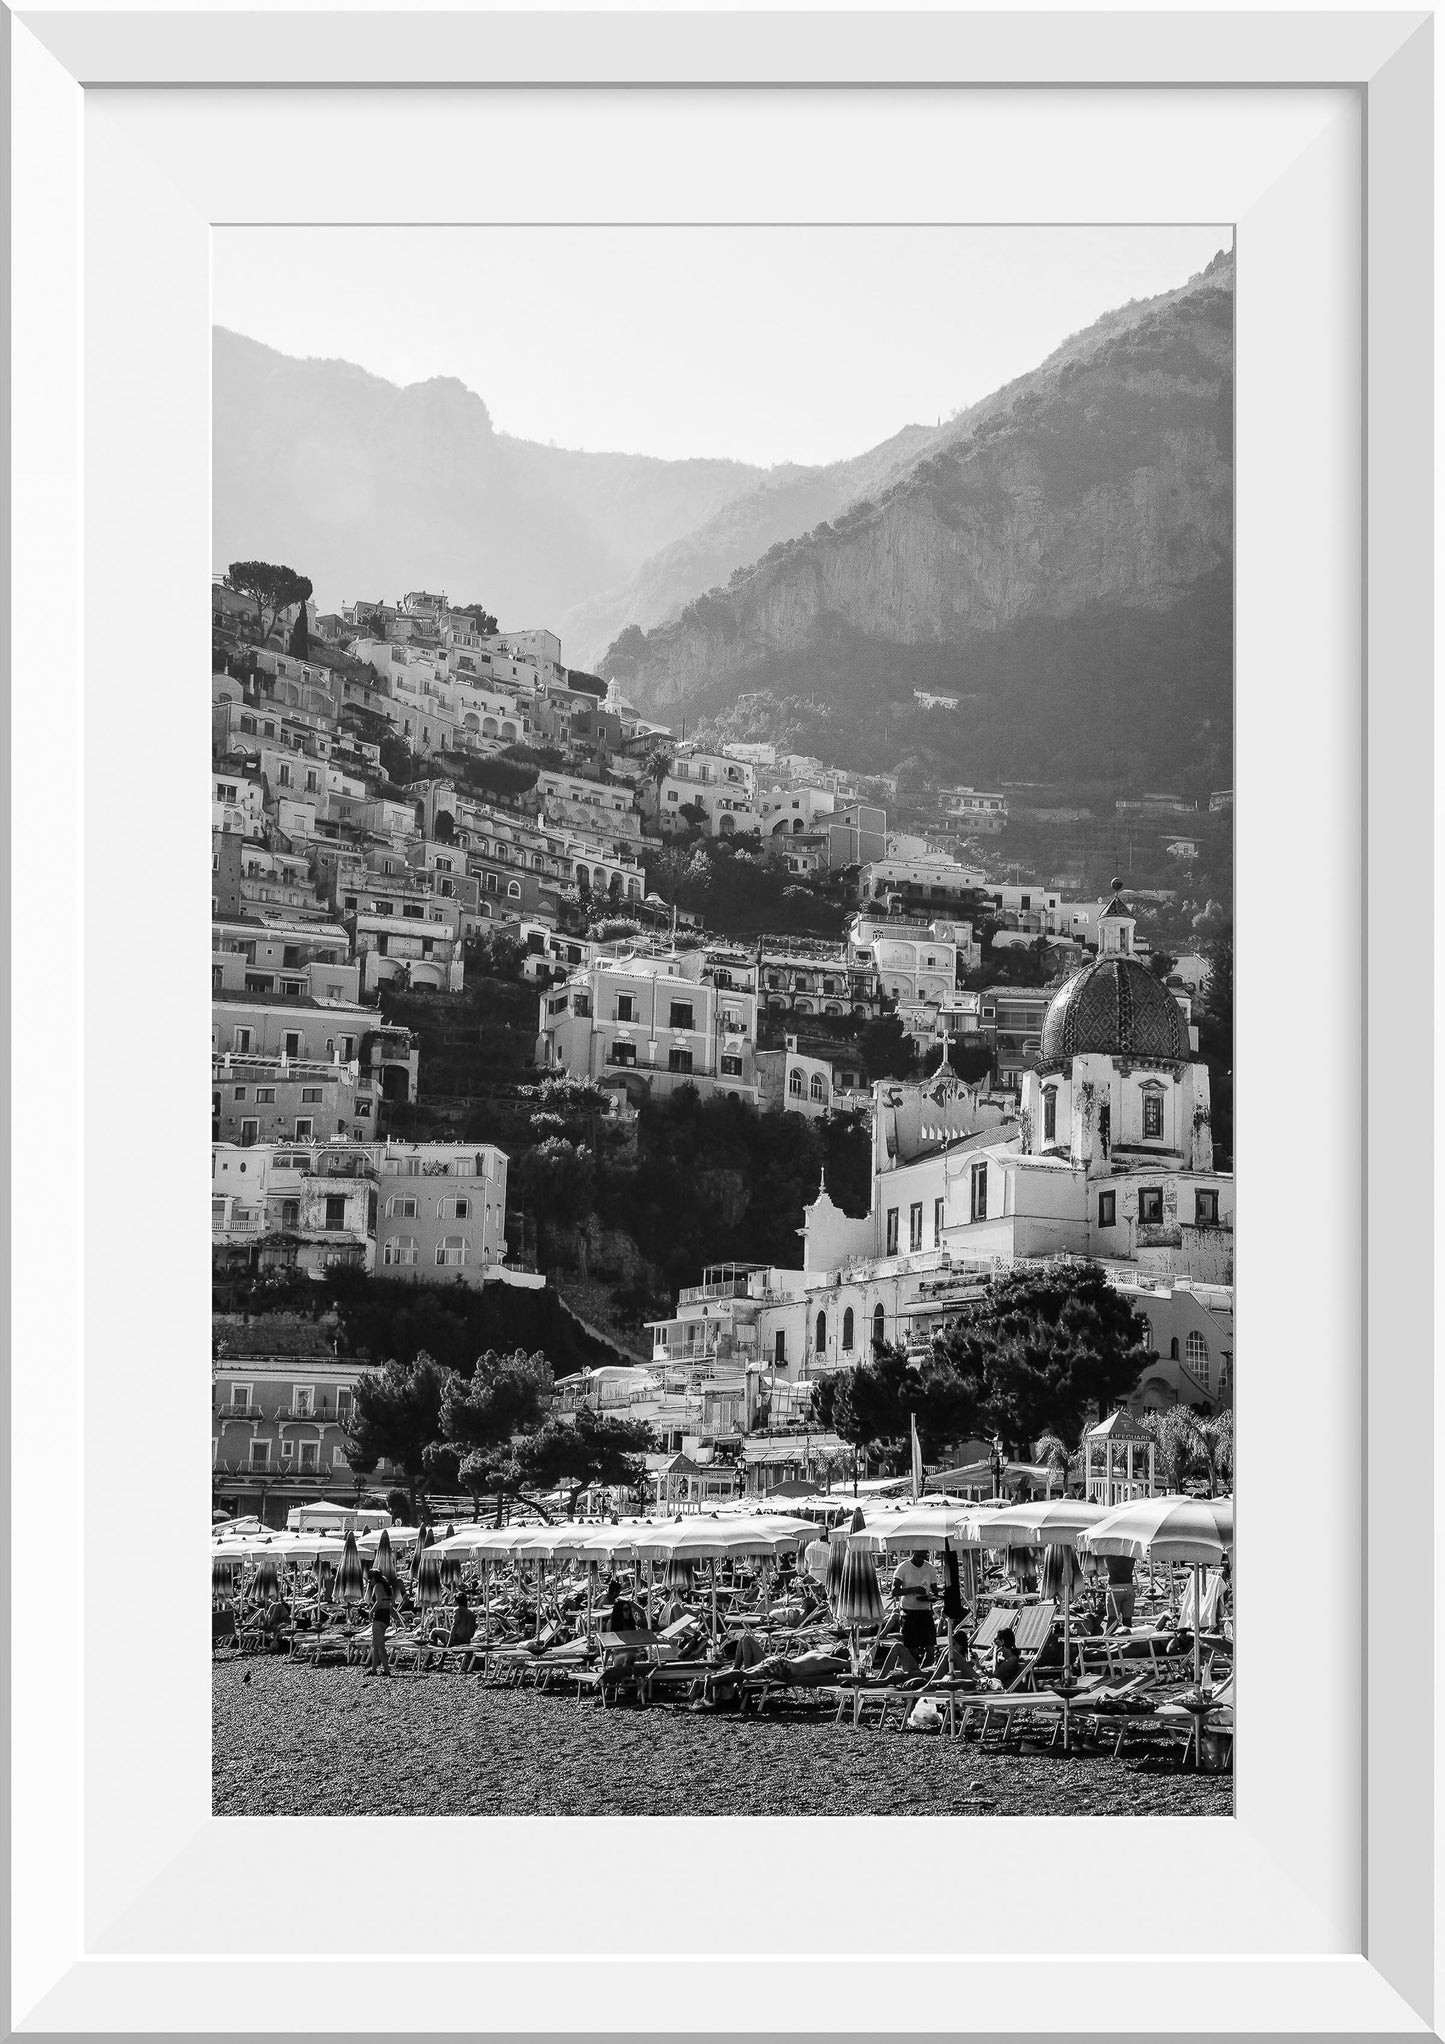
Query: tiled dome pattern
[1117, 1008]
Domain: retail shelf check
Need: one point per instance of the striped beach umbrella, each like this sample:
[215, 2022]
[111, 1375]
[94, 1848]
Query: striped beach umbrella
[350, 1581]
[266, 1580]
[383, 1562]
[860, 1601]
[428, 1588]
[223, 1577]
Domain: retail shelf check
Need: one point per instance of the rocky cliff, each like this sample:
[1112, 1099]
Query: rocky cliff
[1059, 561]
[372, 489]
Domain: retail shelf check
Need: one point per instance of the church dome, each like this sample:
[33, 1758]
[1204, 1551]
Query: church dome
[1117, 1008]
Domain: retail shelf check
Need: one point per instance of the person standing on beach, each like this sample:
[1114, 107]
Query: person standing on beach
[381, 1602]
[915, 1585]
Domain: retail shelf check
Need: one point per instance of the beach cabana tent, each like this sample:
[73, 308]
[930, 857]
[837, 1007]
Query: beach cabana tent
[324, 1517]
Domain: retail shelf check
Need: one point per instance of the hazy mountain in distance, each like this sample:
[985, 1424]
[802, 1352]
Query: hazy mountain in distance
[1059, 563]
[783, 502]
[371, 489]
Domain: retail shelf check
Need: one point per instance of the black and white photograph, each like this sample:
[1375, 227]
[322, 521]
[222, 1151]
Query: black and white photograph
[722, 1026]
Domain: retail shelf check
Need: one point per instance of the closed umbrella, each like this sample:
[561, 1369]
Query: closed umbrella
[223, 1577]
[860, 1601]
[383, 1562]
[267, 1581]
[350, 1582]
[838, 1554]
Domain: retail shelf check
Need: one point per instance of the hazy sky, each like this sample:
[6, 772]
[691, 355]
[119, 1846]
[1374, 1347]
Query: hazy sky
[765, 344]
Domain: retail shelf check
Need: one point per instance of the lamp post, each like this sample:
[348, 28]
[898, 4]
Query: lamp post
[997, 1461]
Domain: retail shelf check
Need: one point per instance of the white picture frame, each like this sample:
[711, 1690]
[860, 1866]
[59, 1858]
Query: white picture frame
[132, 137]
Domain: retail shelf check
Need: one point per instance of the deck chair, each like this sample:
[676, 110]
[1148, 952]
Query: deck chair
[992, 1624]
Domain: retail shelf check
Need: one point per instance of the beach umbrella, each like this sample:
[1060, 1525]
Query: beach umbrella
[860, 1601]
[350, 1582]
[267, 1579]
[838, 1553]
[219, 1518]
[383, 1561]
[678, 1574]
[428, 1588]
[1196, 1531]
[223, 1576]
[927, 1528]
[1049, 1523]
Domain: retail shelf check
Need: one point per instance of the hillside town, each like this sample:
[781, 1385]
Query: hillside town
[485, 941]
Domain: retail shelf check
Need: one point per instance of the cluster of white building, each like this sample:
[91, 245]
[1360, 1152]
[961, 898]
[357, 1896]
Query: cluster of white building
[1105, 1155]
[1088, 1138]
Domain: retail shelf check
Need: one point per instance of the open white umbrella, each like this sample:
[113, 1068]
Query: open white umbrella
[929, 1528]
[1042, 1522]
[1197, 1531]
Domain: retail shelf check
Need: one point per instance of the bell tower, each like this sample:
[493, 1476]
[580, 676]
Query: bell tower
[1116, 927]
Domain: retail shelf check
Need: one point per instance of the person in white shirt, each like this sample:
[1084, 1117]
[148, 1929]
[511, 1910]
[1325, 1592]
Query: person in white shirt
[915, 1585]
[815, 1557]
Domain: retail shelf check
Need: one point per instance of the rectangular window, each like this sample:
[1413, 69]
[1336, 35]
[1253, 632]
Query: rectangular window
[679, 1060]
[250, 1130]
[937, 1222]
[679, 1015]
[310, 1096]
[1051, 1098]
[265, 1096]
[1106, 1209]
[891, 1238]
[291, 1043]
[622, 1054]
[915, 1226]
[401, 1209]
[260, 1454]
[1153, 1116]
[240, 1093]
[291, 1214]
[1151, 1206]
[978, 1193]
[625, 1008]
[304, 1128]
[731, 1066]
[241, 1042]
[336, 1211]
[1206, 1209]
[780, 1347]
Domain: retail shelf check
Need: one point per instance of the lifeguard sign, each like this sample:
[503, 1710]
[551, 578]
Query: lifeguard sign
[1118, 1461]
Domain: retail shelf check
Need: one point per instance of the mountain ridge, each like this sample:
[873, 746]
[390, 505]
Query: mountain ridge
[1101, 483]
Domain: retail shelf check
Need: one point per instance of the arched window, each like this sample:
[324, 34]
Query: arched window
[848, 1330]
[795, 1083]
[1051, 1102]
[1174, 1348]
[1196, 1350]
[815, 1087]
[514, 890]
[878, 1327]
[820, 1334]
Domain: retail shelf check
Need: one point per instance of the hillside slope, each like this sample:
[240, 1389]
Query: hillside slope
[783, 503]
[1060, 560]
